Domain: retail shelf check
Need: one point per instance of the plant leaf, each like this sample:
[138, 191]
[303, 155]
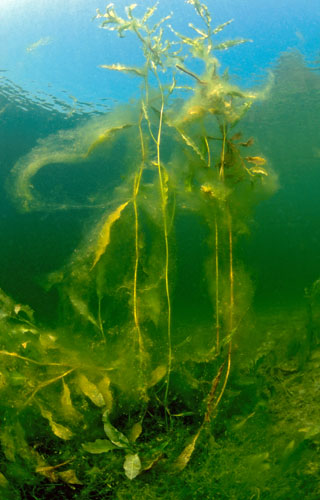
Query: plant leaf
[81, 307]
[191, 144]
[131, 70]
[230, 43]
[149, 12]
[105, 136]
[104, 387]
[4, 483]
[156, 375]
[185, 455]
[135, 431]
[115, 436]
[104, 235]
[69, 476]
[91, 391]
[258, 170]
[221, 27]
[132, 465]
[59, 430]
[68, 409]
[99, 446]
[257, 160]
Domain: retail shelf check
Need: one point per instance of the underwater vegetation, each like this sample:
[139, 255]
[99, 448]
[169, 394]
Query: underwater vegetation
[139, 388]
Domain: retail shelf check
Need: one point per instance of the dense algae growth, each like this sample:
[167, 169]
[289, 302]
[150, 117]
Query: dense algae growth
[133, 381]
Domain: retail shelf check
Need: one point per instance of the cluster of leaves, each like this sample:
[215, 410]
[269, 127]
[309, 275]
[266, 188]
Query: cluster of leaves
[56, 428]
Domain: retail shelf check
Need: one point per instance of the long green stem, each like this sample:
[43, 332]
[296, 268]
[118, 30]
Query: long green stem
[231, 306]
[223, 151]
[137, 256]
[217, 283]
[136, 188]
[166, 241]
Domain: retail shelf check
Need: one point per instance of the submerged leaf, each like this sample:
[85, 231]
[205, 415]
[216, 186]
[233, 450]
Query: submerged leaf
[68, 409]
[4, 483]
[115, 436]
[104, 387]
[99, 446]
[7, 443]
[81, 307]
[91, 391]
[221, 27]
[230, 43]
[69, 476]
[157, 374]
[125, 69]
[104, 236]
[191, 144]
[59, 430]
[185, 455]
[135, 432]
[248, 143]
[258, 170]
[132, 465]
[105, 136]
[236, 136]
[257, 160]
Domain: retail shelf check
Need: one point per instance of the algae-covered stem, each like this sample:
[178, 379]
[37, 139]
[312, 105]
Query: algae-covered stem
[157, 140]
[231, 306]
[137, 180]
[165, 230]
[217, 283]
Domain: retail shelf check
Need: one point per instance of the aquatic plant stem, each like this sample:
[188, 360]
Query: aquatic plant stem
[100, 319]
[231, 306]
[223, 151]
[231, 272]
[45, 384]
[217, 283]
[137, 181]
[166, 241]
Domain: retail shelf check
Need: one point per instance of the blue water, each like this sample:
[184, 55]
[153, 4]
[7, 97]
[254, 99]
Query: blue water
[68, 64]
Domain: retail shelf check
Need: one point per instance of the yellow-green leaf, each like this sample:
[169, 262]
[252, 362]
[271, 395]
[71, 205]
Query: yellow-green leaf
[99, 446]
[91, 391]
[59, 430]
[104, 387]
[4, 483]
[230, 43]
[257, 160]
[67, 407]
[81, 307]
[69, 476]
[258, 170]
[135, 432]
[185, 455]
[115, 436]
[157, 374]
[104, 235]
[191, 144]
[104, 137]
[132, 465]
[125, 69]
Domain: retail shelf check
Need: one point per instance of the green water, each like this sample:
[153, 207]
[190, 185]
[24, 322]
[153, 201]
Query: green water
[160, 304]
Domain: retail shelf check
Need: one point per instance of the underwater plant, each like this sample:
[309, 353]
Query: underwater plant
[140, 365]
